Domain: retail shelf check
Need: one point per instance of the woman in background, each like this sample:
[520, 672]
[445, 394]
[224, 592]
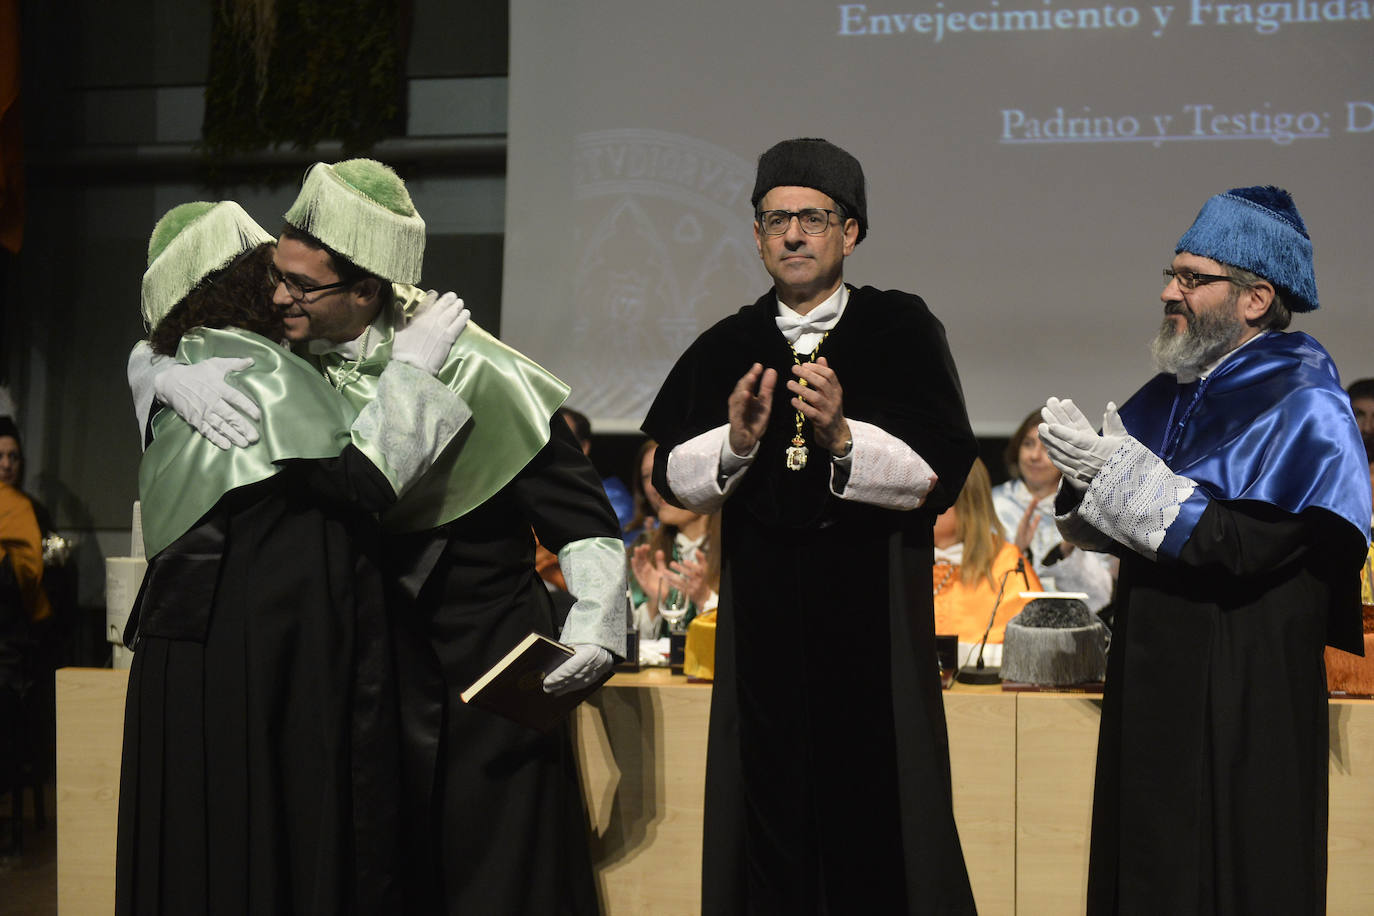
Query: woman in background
[974, 563]
[681, 553]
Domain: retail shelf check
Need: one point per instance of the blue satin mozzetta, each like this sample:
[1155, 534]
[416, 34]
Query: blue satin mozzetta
[1271, 424]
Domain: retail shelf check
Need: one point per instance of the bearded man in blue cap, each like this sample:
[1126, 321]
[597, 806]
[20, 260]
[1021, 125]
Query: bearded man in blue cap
[1233, 488]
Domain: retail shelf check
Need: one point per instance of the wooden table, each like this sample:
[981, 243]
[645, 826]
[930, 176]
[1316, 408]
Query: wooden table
[1022, 765]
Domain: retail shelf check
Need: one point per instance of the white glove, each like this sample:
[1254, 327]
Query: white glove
[214, 408]
[427, 338]
[1073, 445]
[588, 663]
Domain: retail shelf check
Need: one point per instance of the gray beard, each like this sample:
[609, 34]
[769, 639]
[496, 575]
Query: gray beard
[1207, 337]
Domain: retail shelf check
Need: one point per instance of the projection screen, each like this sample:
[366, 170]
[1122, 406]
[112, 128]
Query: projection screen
[1030, 165]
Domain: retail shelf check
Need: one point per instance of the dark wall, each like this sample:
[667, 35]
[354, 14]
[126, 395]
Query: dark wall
[110, 130]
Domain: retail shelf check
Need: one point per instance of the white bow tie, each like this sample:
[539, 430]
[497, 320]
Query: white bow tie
[820, 319]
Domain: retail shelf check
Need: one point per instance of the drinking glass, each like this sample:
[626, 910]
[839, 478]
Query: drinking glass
[672, 606]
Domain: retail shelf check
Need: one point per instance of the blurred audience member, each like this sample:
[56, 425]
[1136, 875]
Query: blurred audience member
[621, 500]
[682, 553]
[973, 563]
[21, 535]
[25, 691]
[545, 561]
[1362, 402]
[1025, 507]
[644, 519]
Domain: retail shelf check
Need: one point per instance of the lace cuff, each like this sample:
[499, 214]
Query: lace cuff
[594, 569]
[409, 422]
[1135, 498]
[695, 470]
[884, 471]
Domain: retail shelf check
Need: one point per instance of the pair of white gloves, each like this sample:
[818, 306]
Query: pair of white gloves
[1074, 447]
[225, 416]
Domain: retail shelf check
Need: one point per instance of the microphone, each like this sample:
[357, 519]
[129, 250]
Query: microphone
[976, 673]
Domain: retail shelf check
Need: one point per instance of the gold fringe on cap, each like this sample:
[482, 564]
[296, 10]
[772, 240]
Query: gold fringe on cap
[213, 236]
[368, 232]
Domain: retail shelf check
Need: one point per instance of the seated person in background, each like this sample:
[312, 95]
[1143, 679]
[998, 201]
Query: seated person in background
[1025, 505]
[681, 553]
[616, 491]
[545, 561]
[23, 604]
[642, 520]
[21, 539]
[59, 576]
[973, 560]
[1361, 392]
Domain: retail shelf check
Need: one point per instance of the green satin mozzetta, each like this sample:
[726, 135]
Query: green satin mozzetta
[512, 399]
[183, 475]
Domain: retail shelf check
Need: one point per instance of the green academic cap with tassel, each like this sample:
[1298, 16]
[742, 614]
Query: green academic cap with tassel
[189, 242]
[360, 208]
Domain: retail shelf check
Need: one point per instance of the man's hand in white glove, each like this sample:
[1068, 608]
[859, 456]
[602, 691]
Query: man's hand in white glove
[1073, 445]
[588, 663]
[427, 338]
[200, 396]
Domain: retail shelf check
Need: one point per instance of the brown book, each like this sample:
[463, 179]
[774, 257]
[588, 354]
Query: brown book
[514, 686]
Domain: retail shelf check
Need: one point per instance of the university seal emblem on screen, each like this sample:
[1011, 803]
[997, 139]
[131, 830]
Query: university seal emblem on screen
[665, 250]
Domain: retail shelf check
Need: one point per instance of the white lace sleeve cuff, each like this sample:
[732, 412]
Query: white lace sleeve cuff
[412, 418]
[1135, 498]
[1073, 528]
[883, 470]
[594, 569]
[703, 471]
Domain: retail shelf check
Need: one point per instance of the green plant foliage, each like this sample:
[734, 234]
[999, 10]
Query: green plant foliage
[299, 72]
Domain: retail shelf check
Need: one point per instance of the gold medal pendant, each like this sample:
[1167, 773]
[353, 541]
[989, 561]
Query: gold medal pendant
[796, 453]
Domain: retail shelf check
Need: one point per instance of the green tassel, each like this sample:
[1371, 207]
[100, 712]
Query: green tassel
[189, 242]
[360, 208]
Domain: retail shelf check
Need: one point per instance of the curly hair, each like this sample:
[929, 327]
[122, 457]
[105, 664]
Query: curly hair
[237, 296]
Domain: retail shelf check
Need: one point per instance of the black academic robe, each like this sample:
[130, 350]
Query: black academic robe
[505, 828]
[828, 783]
[1211, 780]
[261, 757]
[1211, 785]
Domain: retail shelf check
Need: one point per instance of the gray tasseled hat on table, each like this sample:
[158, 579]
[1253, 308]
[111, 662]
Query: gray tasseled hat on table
[1055, 641]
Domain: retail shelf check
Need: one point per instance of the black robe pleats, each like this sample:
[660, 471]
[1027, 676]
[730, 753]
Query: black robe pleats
[504, 827]
[1211, 785]
[261, 755]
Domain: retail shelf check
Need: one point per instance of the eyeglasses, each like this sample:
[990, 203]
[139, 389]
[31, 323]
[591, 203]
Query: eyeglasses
[1191, 280]
[813, 220]
[294, 289]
